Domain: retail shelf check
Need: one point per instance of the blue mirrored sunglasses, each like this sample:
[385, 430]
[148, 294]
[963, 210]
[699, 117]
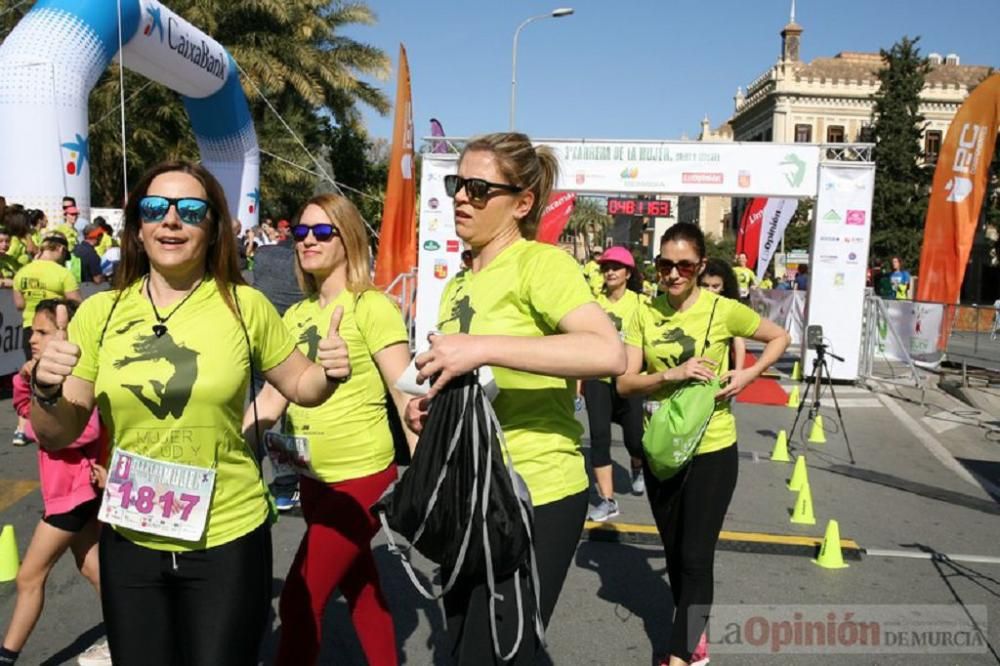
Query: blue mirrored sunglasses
[190, 210]
[321, 232]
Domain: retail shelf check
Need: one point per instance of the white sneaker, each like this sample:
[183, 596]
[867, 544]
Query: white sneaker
[98, 654]
[638, 482]
[607, 509]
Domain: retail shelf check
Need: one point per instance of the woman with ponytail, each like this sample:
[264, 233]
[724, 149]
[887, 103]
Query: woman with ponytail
[525, 310]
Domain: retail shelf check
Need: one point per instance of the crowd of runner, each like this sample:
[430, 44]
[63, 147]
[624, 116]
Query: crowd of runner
[151, 460]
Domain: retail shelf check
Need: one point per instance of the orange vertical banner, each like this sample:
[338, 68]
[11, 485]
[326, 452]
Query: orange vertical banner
[397, 249]
[957, 194]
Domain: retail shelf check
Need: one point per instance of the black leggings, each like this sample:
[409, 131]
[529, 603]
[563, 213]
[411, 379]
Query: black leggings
[689, 513]
[197, 608]
[558, 526]
[605, 405]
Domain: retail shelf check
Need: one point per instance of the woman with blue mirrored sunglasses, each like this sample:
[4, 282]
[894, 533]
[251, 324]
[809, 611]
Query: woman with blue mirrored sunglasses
[190, 210]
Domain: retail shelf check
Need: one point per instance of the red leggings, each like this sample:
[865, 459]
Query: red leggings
[336, 552]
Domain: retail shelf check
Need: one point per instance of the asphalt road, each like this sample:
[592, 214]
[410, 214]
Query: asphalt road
[901, 494]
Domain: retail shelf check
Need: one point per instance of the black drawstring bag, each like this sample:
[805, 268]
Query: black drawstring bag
[461, 504]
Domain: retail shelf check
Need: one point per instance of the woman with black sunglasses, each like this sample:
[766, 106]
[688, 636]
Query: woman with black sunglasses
[350, 456]
[525, 310]
[166, 357]
[669, 335]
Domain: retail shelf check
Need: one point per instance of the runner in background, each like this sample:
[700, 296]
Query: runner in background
[689, 507]
[44, 278]
[718, 278]
[745, 277]
[620, 298]
[525, 310]
[274, 275]
[70, 504]
[900, 280]
[345, 444]
[592, 272]
[186, 551]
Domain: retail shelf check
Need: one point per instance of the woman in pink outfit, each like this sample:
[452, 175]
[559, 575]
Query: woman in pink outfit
[70, 499]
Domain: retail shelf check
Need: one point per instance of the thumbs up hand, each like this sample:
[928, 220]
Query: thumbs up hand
[333, 353]
[58, 359]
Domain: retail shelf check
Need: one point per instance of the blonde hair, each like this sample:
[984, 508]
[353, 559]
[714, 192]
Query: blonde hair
[343, 215]
[535, 169]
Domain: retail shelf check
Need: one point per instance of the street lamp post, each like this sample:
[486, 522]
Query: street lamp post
[555, 13]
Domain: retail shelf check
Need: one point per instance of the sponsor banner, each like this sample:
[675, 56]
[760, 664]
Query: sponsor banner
[918, 327]
[782, 306]
[745, 169]
[957, 192]
[838, 269]
[776, 216]
[440, 254]
[397, 248]
[555, 217]
[748, 238]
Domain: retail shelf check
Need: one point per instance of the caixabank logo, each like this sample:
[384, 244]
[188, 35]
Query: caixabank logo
[254, 198]
[79, 153]
[154, 21]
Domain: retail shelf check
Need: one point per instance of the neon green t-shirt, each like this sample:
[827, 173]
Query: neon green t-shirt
[18, 251]
[595, 278]
[349, 435]
[68, 232]
[9, 266]
[620, 312]
[103, 244]
[746, 278]
[179, 398]
[40, 280]
[668, 338]
[526, 291]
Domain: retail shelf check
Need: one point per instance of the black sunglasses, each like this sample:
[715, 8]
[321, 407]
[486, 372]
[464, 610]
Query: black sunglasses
[190, 210]
[684, 268]
[477, 188]
[321, 232]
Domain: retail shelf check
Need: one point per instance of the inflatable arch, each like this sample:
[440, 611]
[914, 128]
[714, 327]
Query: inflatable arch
[53, 58]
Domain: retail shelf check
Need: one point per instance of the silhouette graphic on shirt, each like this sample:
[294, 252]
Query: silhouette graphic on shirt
[128, 326]
[463, 312]
[310, 336]
[675, 336]
[616, 320]
[172, 397]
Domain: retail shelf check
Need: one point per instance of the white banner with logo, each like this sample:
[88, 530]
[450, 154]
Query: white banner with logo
[918, 328]
[439, 255]
[782, 306]
[674, 167]
[841, 234]
[778, 213]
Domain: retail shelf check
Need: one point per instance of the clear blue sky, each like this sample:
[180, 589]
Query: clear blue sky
[634, 69]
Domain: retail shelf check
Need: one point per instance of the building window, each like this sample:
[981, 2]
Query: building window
[932, 145]
[866, 134]
[835, 134]
[803, 133]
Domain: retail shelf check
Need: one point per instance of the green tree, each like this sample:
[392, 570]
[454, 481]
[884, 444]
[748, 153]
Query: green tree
[901, 180]
[798, 234]
[589, 224]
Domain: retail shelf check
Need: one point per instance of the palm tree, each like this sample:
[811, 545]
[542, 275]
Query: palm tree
[590, 218]
[291, 52]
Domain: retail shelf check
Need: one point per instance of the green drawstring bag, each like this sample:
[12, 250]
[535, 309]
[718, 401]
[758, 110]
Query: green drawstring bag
[677, 426]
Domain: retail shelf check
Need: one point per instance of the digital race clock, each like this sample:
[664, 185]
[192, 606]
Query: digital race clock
[639, 207]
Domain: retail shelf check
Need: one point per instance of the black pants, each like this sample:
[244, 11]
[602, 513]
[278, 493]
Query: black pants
[558, 526]
[689, 509]
[199, 608]
[604, 406]
[26, 342]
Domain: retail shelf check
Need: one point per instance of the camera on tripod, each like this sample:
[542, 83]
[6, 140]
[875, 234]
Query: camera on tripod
[814, 337]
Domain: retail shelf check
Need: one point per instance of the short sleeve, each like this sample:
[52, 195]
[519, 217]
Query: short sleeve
[632, 331]
[69, 283]
[554, 285]
[380, 321]
[270, 340]
[741, 321]
[85, 332]
[17, 279]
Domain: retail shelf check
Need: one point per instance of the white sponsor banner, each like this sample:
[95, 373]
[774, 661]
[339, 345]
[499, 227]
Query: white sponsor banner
[918, 328]
[778, 213]
[439, 254]
[739, 169]
[838, 262]
[782, 306]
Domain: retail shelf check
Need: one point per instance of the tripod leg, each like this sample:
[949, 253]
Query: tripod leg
[840, 416]
[798, 413]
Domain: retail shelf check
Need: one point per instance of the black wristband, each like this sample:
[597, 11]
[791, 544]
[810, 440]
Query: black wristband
[41, 398]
